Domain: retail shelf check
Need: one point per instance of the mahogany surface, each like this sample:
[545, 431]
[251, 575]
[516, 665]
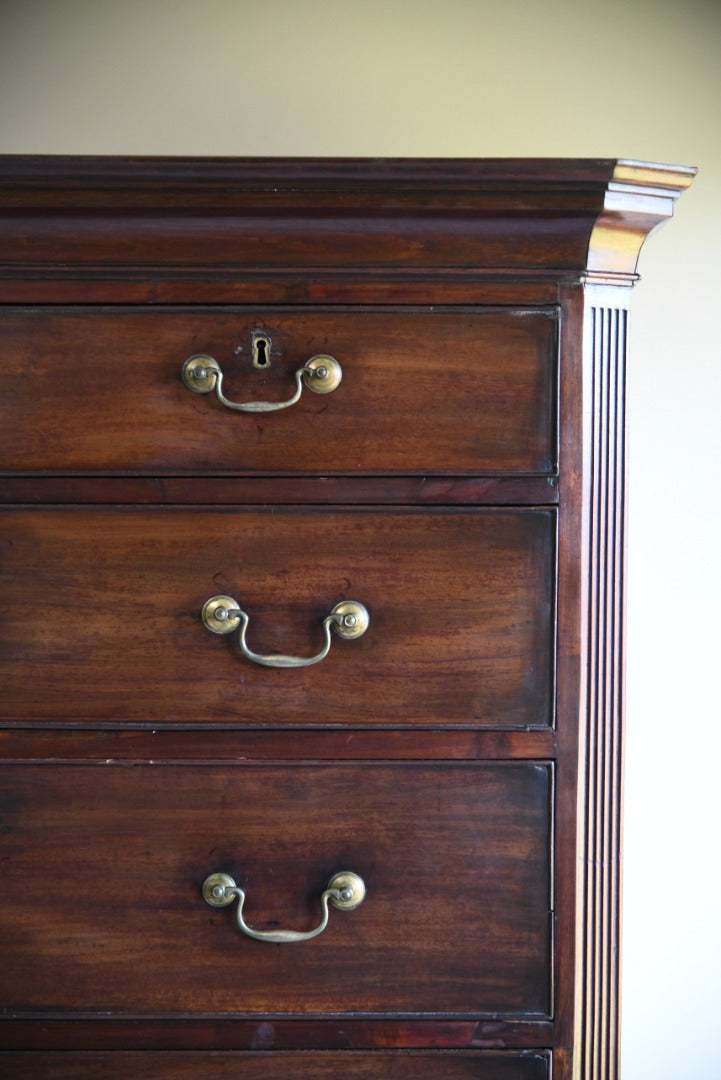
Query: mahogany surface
[256, 1066]
[468, 845]
[461, 607]
[108, 385]
[466, 481]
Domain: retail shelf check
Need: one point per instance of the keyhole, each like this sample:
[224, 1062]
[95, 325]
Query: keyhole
[261, 351]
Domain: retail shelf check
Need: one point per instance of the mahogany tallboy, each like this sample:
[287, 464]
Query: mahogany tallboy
[311, 716]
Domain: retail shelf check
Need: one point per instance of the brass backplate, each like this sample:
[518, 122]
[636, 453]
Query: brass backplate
[213, 884]
[354, 619]
[327, 374]
[351, 886]
[210, 620]
[199, 373]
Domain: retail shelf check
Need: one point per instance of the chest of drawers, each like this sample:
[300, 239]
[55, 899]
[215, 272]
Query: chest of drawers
[312, 715]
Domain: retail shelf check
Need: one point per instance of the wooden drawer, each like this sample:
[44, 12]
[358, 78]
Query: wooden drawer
[423, 390]
[306, 1065]
[103, 867]
[102, 616]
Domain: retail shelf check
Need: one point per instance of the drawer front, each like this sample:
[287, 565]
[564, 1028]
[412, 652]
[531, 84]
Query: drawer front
[102, 617]
[103, 867]
[429, 390]
[307, 1065]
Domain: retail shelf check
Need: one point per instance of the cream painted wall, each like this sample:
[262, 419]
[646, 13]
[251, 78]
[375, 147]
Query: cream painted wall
[492, 78]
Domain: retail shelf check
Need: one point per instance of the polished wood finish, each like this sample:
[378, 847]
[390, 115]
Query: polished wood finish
[483, 380]
[469, 472]
[58, 285]
[181, 216]
[23, 1032]
[455, 859]
[279, 490]
[135, 744]
[170, 1065]
[461, 607]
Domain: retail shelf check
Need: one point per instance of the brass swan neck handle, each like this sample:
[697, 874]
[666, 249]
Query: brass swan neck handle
[203, 374]
[222, 614]
[345, 891]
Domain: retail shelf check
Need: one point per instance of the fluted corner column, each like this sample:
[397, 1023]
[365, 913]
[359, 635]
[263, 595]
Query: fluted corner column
[639, 198]
[606, 340]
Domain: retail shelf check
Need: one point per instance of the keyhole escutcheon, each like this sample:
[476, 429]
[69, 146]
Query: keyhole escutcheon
[261, 350]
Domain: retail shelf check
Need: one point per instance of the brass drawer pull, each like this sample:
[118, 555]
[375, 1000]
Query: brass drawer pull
[201, 374]
[222, 614]
[345, 892]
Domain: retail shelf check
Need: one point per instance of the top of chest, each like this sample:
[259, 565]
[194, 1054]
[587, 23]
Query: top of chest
[125, 217]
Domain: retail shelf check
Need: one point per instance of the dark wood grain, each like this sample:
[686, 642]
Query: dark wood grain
[571, 669]
[106, 605]
[331, 235]
[257, 1066]
[193, 745]
[48, 1031]
[59, 284]
[166, 179]
[455, 857]
[431, 390]
[280, 490]
[249, 213]
[332, 213]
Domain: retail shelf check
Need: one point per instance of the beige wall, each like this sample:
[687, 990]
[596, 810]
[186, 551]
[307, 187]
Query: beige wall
[491, 78]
